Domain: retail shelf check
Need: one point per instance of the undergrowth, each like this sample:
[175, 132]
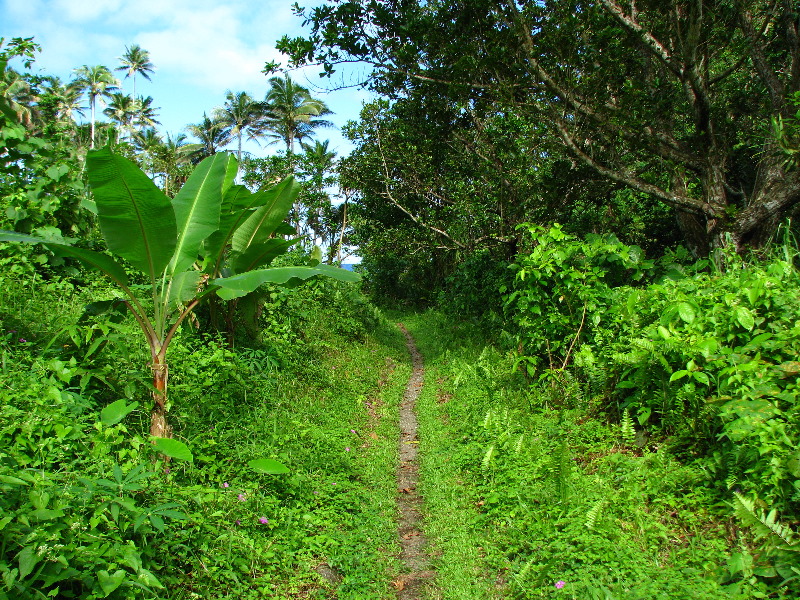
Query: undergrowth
[90, 511]
[530, 497]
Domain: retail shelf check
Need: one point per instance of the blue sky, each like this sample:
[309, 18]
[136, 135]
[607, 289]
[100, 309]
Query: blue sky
[200, 49]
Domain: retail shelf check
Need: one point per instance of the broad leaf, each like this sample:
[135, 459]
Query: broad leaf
[89, 258]
[745, 317]
[260, 255]
[136, 218]
[197, 207]
[183, 288]
[27, 561]
[116, 411]
[110, 581]
[686, 312]
[239, 285]
[173, 448]
[276, 204]
[268, 466]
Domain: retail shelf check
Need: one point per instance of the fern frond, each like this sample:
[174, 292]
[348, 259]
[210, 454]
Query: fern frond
[626, 428]
[487, 458]
[594, 513]
[765, 525]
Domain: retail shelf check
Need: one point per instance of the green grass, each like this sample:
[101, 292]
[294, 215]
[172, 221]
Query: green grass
[324, 404]
[521, 495]
[522, 488]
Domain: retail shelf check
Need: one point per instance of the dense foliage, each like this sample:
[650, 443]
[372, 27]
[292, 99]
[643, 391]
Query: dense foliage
[652, 121]
[89, 510]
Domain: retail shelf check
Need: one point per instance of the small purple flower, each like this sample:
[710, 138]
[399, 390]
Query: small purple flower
[263, 520]
[226, 484]
[316, 492]
[238, 522]
[352, 431]
[334, 483]
[166, 470]
[347, 449]
[560, 584]
[241, 497]
[23, 341]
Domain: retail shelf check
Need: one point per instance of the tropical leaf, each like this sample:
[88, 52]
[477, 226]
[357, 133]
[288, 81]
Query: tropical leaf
[268, 466]
[183, 287]
[239, 285]
[136, 218]
[173, 448]
[260, 255]
[275, 205]
[110, 581]
[89, 258]
[197, 208]
[116, 411]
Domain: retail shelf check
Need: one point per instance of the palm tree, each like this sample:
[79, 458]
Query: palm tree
[172, 158]
[66, 99]
[319, 157]
[240, 115]
[19, 95]
[291, 114]
[136, 60]
[147, 142]
[94, 81]
[122, 109]
[146, 114]
[213, 136]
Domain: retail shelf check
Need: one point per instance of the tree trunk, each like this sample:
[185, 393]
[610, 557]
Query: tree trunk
[341, 233]
[158, 419]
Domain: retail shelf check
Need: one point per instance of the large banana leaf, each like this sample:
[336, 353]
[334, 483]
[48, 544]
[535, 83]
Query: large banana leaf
[234, 211]
[183, 287]
[136, 218]
[90, 258]
[238, 207]
[260, 255]
[237, 286]
[197, 207]
[276, 204]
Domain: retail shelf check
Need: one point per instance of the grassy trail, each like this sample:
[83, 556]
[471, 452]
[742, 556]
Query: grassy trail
[413, 541]
[528, 496]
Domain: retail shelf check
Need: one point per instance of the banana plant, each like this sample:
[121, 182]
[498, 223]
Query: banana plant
[212, 238]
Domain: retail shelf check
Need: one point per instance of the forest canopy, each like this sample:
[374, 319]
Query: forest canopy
[688, 105]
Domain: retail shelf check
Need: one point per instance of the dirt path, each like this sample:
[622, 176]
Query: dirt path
[416, 562]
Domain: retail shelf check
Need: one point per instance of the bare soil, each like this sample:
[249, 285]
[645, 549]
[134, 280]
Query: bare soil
[417, 571]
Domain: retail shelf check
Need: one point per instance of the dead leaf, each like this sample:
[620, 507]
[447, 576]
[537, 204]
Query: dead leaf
[399, 585]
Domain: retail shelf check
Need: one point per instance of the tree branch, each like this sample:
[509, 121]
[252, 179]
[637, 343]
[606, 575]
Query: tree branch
[388, 194]
[682, 202]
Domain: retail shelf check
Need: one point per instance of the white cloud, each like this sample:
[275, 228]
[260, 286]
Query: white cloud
[200, 48]
[84, 11]
[210, 48]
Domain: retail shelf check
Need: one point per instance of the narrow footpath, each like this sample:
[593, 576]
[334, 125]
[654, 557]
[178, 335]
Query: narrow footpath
[415, 559]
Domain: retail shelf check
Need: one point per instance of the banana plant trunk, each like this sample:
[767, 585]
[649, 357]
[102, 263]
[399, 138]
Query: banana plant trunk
[158, 418]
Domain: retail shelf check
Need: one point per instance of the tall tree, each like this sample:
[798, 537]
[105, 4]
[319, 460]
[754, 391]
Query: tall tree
[66, 99]
[96, 81]
[122, 109]
[290, 113]
[212, 134]
[672, 98]
[240, 116]
[147, 143]
[135, 60]
[146, 113]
